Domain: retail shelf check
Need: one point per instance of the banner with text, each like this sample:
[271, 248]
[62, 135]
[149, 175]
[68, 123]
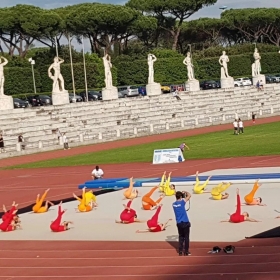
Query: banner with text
[168, 156]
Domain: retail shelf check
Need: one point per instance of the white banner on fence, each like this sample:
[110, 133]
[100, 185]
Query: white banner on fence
[168, 156]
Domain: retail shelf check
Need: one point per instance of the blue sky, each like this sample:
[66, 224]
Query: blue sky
[212, 11]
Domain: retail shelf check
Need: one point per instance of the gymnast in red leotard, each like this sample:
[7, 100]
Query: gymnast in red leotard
[56, 225]
[128, 215]
[10, 222]
[153, 224]
[6, 213]
[237, 217]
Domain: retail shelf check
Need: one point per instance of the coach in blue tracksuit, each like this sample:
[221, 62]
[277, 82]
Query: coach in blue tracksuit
[182, 220]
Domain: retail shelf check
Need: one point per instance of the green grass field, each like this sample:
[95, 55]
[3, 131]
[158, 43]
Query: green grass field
[257, 140]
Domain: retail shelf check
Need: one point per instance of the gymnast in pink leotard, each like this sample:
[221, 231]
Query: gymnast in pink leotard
[237, 217]
[153, 224]
[56, 225]
[128, 215]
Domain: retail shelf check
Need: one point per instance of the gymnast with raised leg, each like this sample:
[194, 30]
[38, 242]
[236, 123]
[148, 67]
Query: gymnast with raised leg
[200, 188]
[6, 213]
[237, 217]
[38, 208]
[148, 203]
[83, 207]
[217, 192]
[153, 224]
[162, 182]
[130, 193]
[11, 222]
[91, 199]
[250, 199]
[169, 189]
[57, 226]
[128, 215]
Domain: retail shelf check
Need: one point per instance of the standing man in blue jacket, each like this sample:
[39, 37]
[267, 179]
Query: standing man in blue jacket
[182, 220]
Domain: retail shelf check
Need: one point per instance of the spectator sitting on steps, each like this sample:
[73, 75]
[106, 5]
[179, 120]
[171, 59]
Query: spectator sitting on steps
[97, 173]
[175, 94]
[21, 141]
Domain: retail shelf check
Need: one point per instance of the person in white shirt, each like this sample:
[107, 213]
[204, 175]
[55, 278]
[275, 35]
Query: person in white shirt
[65, 142]
[240, 126]
[235, 127]
[97, 173]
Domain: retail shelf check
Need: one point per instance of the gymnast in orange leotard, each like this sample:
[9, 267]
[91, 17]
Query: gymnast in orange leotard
[38, 208]
[130, 193]
[148, 203]
[250, 199]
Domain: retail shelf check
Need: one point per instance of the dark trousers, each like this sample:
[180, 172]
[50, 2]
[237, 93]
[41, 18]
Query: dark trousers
[184, 236]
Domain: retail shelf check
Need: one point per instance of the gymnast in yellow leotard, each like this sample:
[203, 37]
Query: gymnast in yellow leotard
[90, 198]
[200, 188]
[83, 206]
[217, 192]
[165, 186]
[162, 183]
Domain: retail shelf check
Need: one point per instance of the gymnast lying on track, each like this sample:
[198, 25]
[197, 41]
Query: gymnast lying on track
[148, 203]
[200, 188]
[217, 192]
[38, 208]
[85, 205]
[128, 215]
[57, 226]
[11, 221]
[237, 217]
[250, 199]
[153, 224]
[130, 193]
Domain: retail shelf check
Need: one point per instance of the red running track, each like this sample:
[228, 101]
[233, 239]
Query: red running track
[253, 259]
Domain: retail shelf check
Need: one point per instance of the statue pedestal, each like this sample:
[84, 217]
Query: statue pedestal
[192, 85]
[153, 89]
[6, 102]
[259, 78]
[227, 82]
[110, 93]
[60, 98]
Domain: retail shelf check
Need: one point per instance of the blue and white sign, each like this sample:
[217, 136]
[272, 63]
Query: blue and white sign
[168, 156]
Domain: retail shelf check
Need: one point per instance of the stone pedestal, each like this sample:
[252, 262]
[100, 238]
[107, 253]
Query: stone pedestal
[60, 98]
[153, 89]
[110, 93]
[192, 85]
[6, 102]
[259, 78]
[227, 82]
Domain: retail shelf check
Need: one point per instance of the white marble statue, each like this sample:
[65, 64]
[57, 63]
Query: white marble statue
[151, 59]
[188, 62]
[58, 81]
[256, 66]
[224, 59]
[107, 67]
[2, 77]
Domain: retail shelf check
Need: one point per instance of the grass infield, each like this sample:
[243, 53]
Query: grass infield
[257, 140]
